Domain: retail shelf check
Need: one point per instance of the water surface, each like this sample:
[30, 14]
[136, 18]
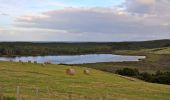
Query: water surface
[75, 59]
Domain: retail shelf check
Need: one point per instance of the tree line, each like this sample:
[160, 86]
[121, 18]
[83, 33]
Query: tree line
[158, 77]
[61, 48]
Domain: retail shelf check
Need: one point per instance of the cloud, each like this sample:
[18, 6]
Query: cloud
[137, 20]
[24, 34]
[20, 7]
[95, 20]
[75, 20]
[156, 7]
[140, 6]
[4, 14]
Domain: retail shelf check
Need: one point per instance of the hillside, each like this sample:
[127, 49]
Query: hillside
[53, 83]
[59, 48]
[165, 50]
[157, 59]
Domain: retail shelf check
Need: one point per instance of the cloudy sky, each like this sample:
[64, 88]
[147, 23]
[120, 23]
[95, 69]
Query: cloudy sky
[84, 20]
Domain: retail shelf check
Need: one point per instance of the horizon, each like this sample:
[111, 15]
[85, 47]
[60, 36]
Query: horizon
[84, 21]
[79, 41]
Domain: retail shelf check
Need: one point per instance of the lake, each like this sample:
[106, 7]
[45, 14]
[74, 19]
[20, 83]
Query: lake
[75, 59]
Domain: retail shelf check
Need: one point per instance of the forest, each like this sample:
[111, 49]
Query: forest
[70, 48]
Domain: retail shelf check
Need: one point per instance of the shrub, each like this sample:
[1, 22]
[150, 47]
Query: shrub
[9, 98]
[145, 76]
[128, 72]
[158, 77]
[163, 78]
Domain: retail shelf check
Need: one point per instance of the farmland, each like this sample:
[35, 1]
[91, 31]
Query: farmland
[53, 83]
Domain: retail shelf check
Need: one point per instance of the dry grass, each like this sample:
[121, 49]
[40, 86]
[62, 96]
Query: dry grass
[54, 83]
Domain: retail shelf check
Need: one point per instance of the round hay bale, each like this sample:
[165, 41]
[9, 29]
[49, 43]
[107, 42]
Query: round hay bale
[43, 65]
[87, 72]
[70, 71]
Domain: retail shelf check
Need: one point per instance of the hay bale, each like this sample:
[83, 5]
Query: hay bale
[87, 72]
[43, 65]
[70, 71]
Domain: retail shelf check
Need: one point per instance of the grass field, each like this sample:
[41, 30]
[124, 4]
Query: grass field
[53, 83]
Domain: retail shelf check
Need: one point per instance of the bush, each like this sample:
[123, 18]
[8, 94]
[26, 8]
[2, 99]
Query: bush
[128, 72]
[9, 98]
[145, 76]
[158, 77]
[161, 77]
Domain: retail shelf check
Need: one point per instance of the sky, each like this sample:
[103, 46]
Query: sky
[84, 20]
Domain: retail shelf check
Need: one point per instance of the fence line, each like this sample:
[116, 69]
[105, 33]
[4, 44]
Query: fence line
[18, 94]
[1, 94]
[21, 93]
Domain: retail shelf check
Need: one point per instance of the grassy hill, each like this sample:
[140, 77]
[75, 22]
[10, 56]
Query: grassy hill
[53, 84]
[159, 51]
[165, 50]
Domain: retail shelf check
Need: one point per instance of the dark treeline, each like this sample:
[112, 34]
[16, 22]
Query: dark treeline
[158, 77]
[53, 48]
[18, 48]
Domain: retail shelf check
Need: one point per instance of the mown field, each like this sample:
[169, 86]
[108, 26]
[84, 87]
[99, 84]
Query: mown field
[53, 84]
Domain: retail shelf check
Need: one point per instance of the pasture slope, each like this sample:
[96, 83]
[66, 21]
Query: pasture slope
[52, 83]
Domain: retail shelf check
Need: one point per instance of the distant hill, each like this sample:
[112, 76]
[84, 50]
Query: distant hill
[61, 48]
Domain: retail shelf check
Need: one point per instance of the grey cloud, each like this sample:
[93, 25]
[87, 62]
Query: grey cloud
[94, 21]
[157, 7]
[142, 19]
[4, 14]
[140, 6]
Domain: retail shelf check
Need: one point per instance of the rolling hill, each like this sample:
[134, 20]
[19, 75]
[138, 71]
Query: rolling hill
[52, 83]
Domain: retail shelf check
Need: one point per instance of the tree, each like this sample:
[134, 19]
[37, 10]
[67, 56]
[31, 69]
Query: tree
[128, 72]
